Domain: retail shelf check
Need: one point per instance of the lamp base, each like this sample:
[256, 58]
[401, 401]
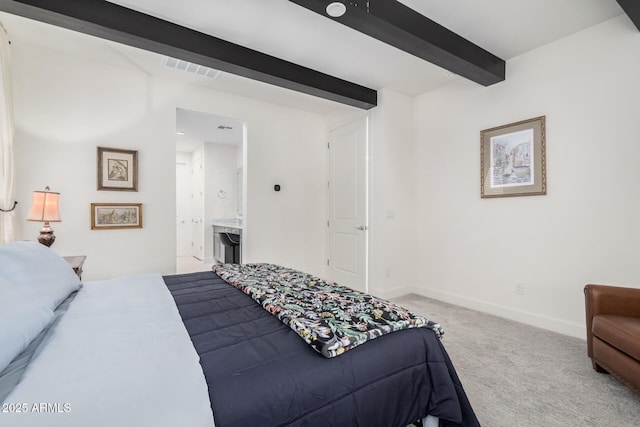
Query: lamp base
[46, 236]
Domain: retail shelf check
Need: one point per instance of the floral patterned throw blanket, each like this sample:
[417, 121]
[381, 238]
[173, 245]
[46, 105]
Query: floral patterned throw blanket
[329, 317]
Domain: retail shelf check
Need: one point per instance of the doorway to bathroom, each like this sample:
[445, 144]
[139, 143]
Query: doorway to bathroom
[210, 184]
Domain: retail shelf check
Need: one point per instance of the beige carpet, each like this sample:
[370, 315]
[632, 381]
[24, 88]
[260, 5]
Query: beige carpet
[519, 376]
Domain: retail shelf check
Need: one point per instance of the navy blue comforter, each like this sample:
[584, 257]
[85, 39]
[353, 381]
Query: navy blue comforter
[260, 373]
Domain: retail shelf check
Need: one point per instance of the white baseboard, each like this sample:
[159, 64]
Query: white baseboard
[545, 322]
[393, 292]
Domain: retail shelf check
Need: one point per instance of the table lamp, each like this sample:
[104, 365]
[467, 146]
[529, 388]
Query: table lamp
[44, 208]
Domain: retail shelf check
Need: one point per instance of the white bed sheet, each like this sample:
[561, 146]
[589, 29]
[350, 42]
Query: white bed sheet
[120, 356]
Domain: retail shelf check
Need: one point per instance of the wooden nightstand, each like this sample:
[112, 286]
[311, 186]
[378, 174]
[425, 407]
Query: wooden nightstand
[76, 262]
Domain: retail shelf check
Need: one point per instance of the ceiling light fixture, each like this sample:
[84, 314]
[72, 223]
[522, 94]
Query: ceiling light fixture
[336, 9]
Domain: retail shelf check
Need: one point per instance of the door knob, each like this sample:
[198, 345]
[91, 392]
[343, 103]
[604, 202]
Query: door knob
[362, 228]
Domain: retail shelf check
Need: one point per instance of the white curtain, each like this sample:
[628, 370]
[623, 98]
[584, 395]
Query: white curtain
[8, 222]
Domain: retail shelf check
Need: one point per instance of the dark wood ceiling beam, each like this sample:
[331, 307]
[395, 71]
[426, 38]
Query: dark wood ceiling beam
[632, 9]
[400, 26]
[113, 22]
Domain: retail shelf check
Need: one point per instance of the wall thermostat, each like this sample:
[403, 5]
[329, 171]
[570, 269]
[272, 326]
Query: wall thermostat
[276, 187]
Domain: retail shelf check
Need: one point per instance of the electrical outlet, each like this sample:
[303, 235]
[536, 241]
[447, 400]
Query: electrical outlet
[519, 288]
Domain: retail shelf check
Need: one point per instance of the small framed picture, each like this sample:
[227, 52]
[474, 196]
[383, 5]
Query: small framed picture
[117, 169]
[105, 216]
[513, 159]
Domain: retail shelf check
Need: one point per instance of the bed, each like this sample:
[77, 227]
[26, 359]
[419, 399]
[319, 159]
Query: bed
[193, 350]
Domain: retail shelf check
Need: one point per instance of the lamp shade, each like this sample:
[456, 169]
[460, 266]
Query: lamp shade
[44, 207]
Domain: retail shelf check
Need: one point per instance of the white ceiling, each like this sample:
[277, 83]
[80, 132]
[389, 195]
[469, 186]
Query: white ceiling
[506, 28]
[194, 128]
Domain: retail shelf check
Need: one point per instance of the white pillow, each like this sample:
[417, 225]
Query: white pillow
[21, 320]
[38, 272]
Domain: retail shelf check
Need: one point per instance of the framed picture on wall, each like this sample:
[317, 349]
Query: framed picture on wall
[105, 216]
[117, 169]
[513, 159]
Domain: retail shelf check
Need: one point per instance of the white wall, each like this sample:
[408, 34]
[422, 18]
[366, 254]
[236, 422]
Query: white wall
[391, 212]
[471, 251]
[66, 105]
[220, 173]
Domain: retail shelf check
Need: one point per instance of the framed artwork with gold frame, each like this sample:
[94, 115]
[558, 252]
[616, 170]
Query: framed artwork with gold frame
[108, 216]
[513, 159]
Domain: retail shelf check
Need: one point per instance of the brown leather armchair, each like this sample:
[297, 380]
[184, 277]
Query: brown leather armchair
[613, 331]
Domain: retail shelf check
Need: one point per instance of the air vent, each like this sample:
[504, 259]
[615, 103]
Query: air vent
[190, 67]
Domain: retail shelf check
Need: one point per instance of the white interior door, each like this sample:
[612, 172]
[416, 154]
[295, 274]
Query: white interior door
[183, 192]
[347, 195]
[197, 205]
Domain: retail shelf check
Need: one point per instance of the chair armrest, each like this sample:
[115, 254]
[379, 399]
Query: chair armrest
[601, 299]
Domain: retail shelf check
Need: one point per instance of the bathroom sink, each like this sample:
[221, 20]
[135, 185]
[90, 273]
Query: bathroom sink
[228, 222]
